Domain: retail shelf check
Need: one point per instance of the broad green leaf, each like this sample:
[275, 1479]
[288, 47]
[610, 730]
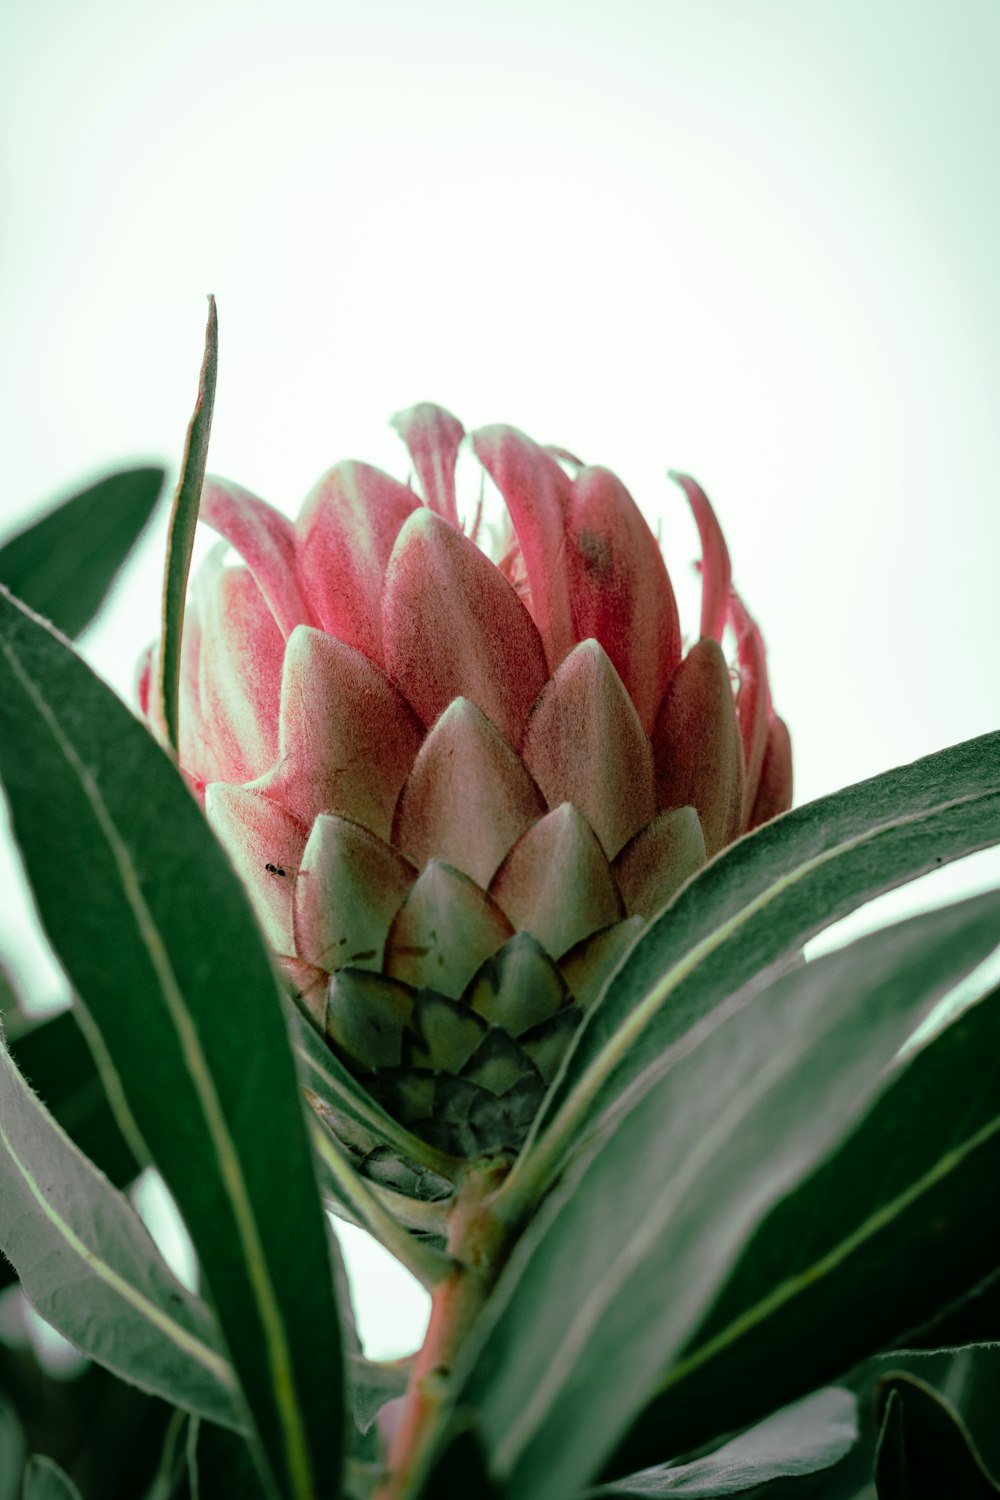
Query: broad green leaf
[746, 912]
[63, 565]
[462, 1470]
[12, 1454]
[624, 1259]
[87, 1264]
[183, 523]
[886, 1233]
[924, 1451]
[156, 937]
[813, 1434]
[44, 1480]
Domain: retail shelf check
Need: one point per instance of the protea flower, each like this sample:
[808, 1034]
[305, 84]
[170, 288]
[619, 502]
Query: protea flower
[457, 787]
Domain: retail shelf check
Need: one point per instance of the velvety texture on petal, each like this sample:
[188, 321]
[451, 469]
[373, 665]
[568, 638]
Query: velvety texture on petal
[774, 792]
[753, 706]
[589, 964]
[366, 1017]
[346, 531]
[538, 496]
[453, 627]
[265, 540]
[696, 744]
[518, 987]
[716, 571]
[237, 655]
[350, 886]
[620, 592]
[433, 437]
[445, 929]
[265, 844]
[467, 798]
[556, 882]
[657, 861]
[584, 744]
[347, 737]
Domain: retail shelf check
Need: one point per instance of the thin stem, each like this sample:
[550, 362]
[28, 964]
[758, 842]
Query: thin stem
[477, 1245]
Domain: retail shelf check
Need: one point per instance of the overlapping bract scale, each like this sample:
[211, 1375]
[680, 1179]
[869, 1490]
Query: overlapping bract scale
[457, 786]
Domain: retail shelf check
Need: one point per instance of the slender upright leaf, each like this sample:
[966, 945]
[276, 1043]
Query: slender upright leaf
[88, 1266]
[44, 1480]
[619, 1268]
[155, 934]
[749, 909]
[63, 565]
[892, 1228]
[183, 522]
[924, 1451]
[813, 1434]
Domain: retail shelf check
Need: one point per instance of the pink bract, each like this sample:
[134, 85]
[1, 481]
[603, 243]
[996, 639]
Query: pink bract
[456, 788]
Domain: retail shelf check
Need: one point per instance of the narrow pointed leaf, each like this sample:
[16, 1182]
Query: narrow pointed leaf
[754, 906]
[181, 991]
[64, 564]
[892, 1227]
[595, 1306]
[183, 521]
[87, 1264]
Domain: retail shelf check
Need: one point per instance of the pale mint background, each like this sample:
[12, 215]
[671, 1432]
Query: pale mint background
[754, 239]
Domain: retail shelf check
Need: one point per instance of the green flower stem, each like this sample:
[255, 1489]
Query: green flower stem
[478, 1244]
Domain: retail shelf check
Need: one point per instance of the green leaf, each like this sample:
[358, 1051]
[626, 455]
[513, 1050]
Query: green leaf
[183, 523]
[156, 937]
[44, 1480]
[813, 1434]
[746, 913]
[623, 1261]
[56, 1061]
[63, 565]
[924, 1451]
[886, 1233]
[87, 1264]
[372, 1384]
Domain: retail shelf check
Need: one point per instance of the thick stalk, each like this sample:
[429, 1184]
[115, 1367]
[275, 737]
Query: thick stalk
[477, 1244]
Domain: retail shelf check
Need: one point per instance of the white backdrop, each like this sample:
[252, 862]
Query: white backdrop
[756, 239]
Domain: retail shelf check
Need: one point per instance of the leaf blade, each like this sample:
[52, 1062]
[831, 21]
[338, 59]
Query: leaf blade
[63, 565]
[88, 1266]
[183, 524]
[621, 1292]
[208, 1045]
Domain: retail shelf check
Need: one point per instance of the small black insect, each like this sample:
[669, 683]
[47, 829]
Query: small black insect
[274, 869]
